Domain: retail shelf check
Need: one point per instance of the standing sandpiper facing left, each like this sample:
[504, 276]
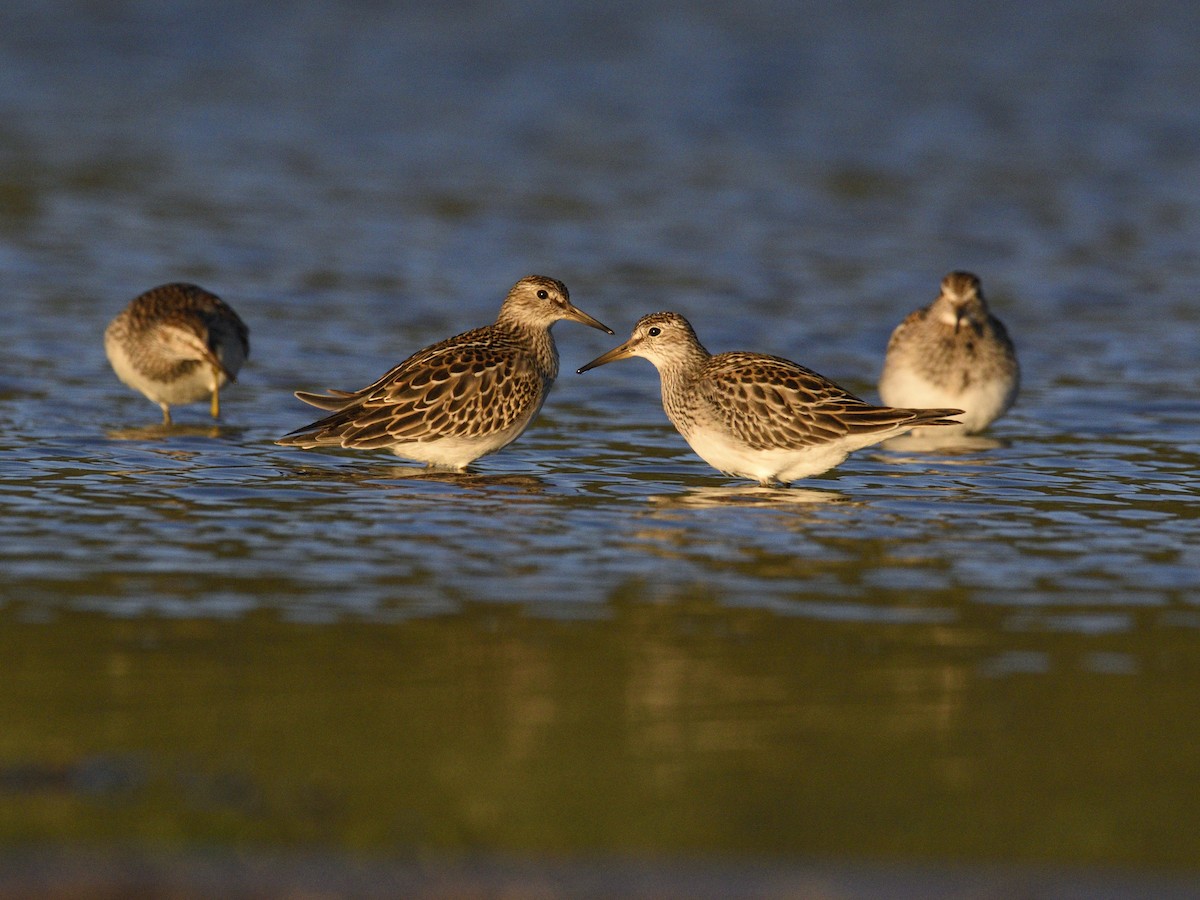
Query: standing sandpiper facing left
[177, 343]
[759, 416]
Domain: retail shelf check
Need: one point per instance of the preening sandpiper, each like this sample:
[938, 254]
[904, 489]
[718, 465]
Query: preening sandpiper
[177, 343]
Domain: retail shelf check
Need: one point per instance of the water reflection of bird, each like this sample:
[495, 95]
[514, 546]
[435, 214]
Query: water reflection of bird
[177, 343]
[953, 352]
[758, 416]
[743, 496]
[453, 402]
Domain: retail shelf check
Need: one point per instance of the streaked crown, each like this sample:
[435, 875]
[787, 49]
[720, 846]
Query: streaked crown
[962, 286]
[536, 301]
[665, 338]
[961, 300]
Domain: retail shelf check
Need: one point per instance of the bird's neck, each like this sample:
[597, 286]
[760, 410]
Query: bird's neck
[538, 341]
[683, 367]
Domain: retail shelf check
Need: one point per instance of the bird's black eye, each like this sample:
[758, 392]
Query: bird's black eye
[655, 331]
[542, 295]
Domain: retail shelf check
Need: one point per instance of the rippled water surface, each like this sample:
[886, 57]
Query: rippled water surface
[592, 646]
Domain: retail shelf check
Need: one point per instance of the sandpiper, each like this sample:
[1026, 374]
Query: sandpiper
[953, 352]
[177, 343]
[464, 397]
[756, 416]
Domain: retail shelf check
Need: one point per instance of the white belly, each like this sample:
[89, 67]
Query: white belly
[983, 401]
[188, 387]
[459, 452]
[198, 384]
[770, 466]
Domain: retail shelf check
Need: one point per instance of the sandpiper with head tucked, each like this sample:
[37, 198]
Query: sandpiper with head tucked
[177, 343]
[953, 352]
[757, 416]
[464, 397]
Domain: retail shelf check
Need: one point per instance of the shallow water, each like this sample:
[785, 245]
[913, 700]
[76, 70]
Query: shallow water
[593, 644]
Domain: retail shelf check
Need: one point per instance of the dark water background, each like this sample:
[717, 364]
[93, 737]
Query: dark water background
[594, 648]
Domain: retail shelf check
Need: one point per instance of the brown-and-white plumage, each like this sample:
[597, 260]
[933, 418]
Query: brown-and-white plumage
[177, 343]
[758, 416]
[953, 352]
[464, 397]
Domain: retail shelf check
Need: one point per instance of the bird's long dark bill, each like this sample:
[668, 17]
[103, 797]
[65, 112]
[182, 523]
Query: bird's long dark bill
[622, 352]
[219, 366]
[575, 314]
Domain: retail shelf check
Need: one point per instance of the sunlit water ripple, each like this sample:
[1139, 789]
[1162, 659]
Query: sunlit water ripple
[207, 520]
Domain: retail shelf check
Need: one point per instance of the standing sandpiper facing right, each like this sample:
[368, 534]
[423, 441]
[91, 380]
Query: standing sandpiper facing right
[461, 398]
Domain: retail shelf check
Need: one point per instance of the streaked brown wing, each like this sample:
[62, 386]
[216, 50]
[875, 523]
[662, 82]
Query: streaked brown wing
[331, 401]
[910, 323]
[334, 399]
[459, 388]
[773, 403]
